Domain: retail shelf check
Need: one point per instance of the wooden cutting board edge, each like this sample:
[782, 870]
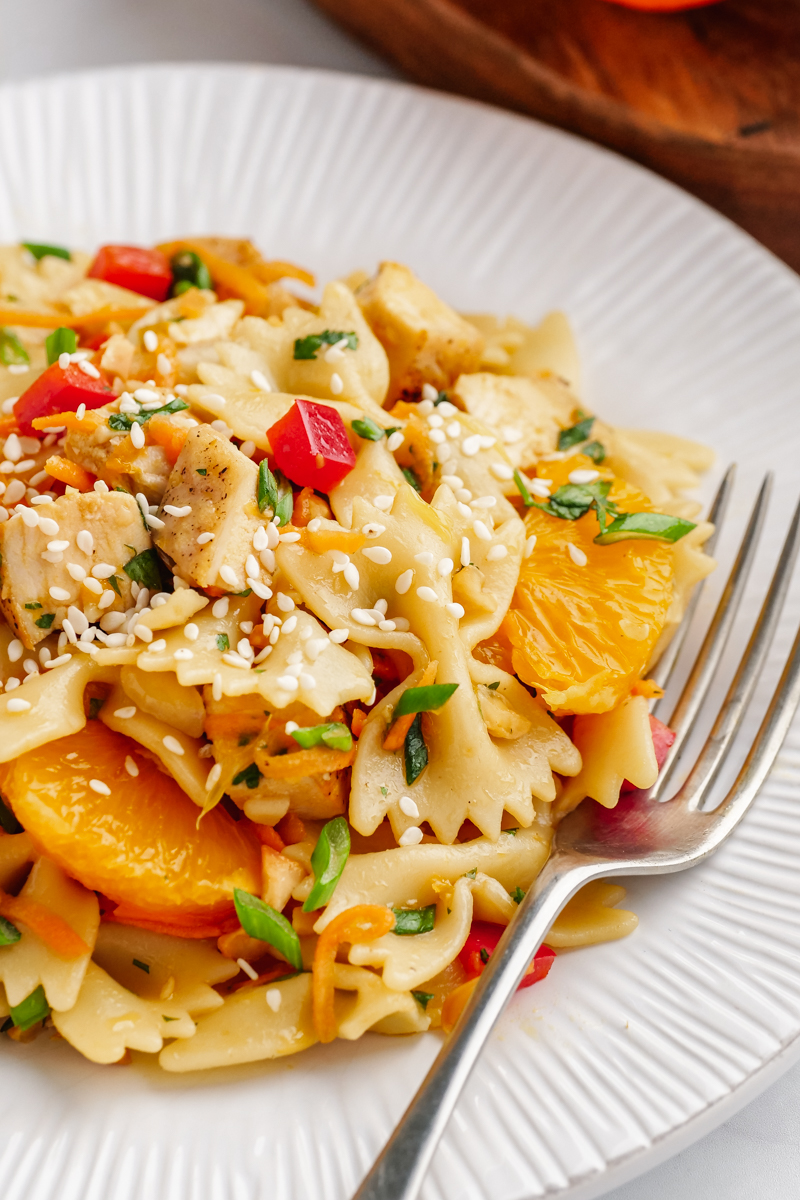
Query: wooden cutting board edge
[757, 186]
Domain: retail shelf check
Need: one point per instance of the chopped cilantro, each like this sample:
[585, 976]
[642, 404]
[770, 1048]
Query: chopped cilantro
[596, 451]
[568, 438]
[494, 686]
[649, 526]
[414, 920]
[164, 1017]
[223, 642]
[518, 895]
[114, 581]
[412, 479]
[45, 621]
[423, 999]
[308, 347]
[189, 271]
[202, 470]
[272, 491]
[143, 569]
[384, 791]
[471, 874]
[250, 776]
[123, 422]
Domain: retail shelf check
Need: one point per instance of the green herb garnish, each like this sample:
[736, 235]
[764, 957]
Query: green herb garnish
[142, 966]
[484, 955]
[411, 478]
[12, 351]
[415, 752]
[40, 250]
[164, 1017]
[657, 527]
[334, 735]
[368, 429]
[61, 341]
[423, 999]
[575, 434]
[522, 488]
[272, 491]
[143, 569]
[414, 920]
[572, 501]
[32, 607]
[518, 895]
[223, 642]
[596, 451]
[8, 933]
[201, 471]
[250, 776]
[494, 686]
[114, 581]
[424, 699]
[268, 925]
[31, 1010]
[327, 862]
[188, 271]
[45, 621]
[308, 347]
[123, 422]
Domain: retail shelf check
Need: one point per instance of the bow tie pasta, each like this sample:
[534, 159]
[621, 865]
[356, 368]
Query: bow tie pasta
[315, 620]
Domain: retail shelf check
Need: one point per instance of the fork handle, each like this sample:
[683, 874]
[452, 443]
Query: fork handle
[401, 1166]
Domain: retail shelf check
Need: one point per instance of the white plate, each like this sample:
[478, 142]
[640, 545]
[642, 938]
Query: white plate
[626, 1052]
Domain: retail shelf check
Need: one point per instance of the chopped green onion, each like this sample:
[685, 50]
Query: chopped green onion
[40, 250]
[411, 478]
[650, 526]
[268, 925]
[518, 895]
[201, 470]
[45, 621]
[308, 347]
[250, 776]
[423, 999]
[61, 341]
[415, 752]
[522, 488]
[7, 819]
[327, 862]
[267, 487]
[143, 569]
[414, 920]
[285, 508]
[32, 607]
[31, 1010]
[424, 699]
[568, 438]
[188, 271]
[223, 642]
[368, 429]
[12, 351]
[8, 933]
[334, 735]
[141, 965]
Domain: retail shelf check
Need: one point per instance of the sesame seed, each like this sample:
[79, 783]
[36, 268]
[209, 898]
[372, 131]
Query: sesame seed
[496, 553]
[291, 536]
[29, 516]
[57, 593]
[12, 683]
[260, 589]
[378, 554]
[273, 998]
[78, 619]
[445, 566]
[387, 626]
[288, 683]
[409, 807]
[403, 582]
[213, 776]
[274, 635]
[216, 687]
[466, 554]
[290, 624]
[454, 430]
[143, 632]
[577, 555]
[252, 566]
[176, 511]
[273, 537]
[487, 441]
[307, 682]
[143, 395]
[244, 648]
[464, 510]
[107, 599]
[153, 522]
[429, 394]
[426, 558]
[381, 606]
[435, 420]
[191, 632]
[260, 381]
[384, 503]
[126, 713]
[436, 436]
[248, 448]
[453, 481]
[57, 545]
[583, 476]
[484, 502]
[68, 628]
[455, 610]
[204, 538]
[340, 558]
[502, 471]
[267, 558]
[228, 575]
[88, 369]
[93, 585]
[13, 448]
[244, 965]
[337, 636]
[427, 593]
[481, 531]
[173, 745]
[371, 529]
[260, 540]
[102, 570]
[57, 662]
[64, 360]
[85, 541]
[337, 386]
[48, 526]
[471, 445]
[44, 655]
[351, 576]
[395, 440]
[157, 647]
[98, 786]
[411, 837]
[27, 464]
[130, 766]
[285, 603]
[100, 486]
[363, 617]
[150, 339]
[17, 705]
[220, 607]
[77, 572]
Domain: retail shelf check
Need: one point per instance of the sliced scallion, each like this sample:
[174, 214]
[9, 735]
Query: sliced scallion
[327, 862]
[12, 351]
[333, 735]
[61, 341]
[40, 250]
[415, 752]
[261, 921]
[31, 1010]
[424, 699]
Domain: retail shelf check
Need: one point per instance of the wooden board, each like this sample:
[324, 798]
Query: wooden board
[710, 97]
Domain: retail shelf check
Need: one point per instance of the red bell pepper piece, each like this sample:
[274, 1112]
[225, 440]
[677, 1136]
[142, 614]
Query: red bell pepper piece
[147, 272]
[482, 940]
[663, 737]
[310, 445]
[59, 389]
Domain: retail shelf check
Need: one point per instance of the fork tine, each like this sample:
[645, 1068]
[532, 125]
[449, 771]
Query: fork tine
[707, 660]
[662, 672]
[705, 771]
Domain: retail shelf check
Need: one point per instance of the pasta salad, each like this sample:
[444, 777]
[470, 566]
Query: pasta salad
[316, 619]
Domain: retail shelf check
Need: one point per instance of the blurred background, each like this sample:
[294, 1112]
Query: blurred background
[710, 97]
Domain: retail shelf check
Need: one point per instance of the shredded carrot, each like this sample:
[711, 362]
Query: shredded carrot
[54, 320]
[322, 540]
[314, 761]
[248, 281]
[233, 724]
[8, 425]
[67, 419]
[291, 829]
[53, 930]
[358, 722]
[238, 944]
[362, 923]
[455, 1004]
[169, 436]
[307, 505]
[268, 836]
[397, 733]
[69, 473]
[272, 271]
[187, 927]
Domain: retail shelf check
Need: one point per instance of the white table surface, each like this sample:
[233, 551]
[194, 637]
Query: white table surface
[756, 1154]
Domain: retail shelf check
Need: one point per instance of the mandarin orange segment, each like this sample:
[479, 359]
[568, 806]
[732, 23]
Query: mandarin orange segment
[140, 844]
[582, 633]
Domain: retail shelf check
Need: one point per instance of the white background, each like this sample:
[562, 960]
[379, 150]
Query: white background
[756, 1155]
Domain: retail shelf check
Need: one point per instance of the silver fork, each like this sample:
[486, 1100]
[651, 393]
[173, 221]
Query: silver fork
[639, 837]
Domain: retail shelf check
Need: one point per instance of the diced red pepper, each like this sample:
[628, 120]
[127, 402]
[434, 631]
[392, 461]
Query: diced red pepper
[310, 445]
[481, 942]
[147, 272]
[663, 737]
[59, 389]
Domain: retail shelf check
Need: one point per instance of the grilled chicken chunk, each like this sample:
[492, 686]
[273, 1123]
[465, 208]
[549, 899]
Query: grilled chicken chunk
[103, 532]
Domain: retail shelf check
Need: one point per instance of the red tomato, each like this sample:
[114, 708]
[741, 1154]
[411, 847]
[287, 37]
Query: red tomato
[663, 5]
[310, 445]
[483, 938]
[147, 272]
[59, 389]
[663, 737]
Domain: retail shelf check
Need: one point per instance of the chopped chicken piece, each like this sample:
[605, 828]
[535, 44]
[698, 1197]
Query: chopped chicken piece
[36, 593]
[425, 339]
[218, 484]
